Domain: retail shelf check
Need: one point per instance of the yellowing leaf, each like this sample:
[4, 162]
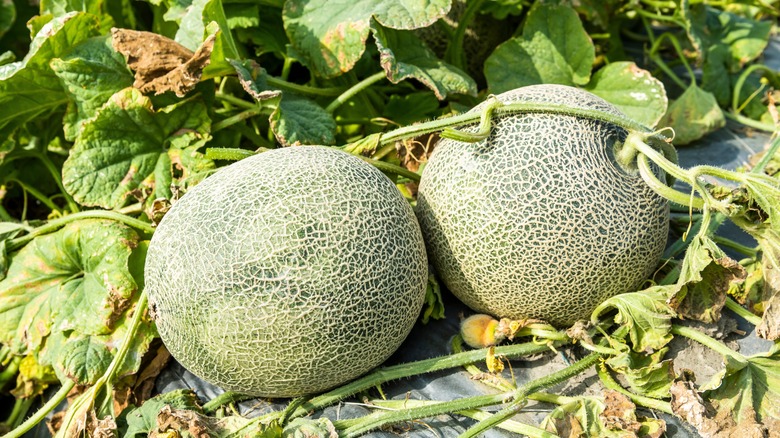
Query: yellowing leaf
[331, 43]
[75, 280]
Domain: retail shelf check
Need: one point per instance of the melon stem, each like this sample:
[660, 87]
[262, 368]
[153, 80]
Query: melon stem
[521, 395]
[408, 132]
[400, 371]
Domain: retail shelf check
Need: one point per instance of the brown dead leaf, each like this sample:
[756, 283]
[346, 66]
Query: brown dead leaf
[770, 321]
[55, 422]
[709, 421]
[174, 420]
[137, 388]
[568, 427]
[416, 151]
[161, 64]
[619, 413]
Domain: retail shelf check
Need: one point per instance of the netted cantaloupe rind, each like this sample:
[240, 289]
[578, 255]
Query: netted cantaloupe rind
[538, 221]
[287, 273]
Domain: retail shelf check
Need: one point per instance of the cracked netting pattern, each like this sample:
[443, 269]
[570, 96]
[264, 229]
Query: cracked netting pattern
[287, 273]
[538, 220]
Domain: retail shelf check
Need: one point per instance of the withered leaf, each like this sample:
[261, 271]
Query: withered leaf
[415, 151]
[161, 64]
[619, 412]
[709, 421]
[169, 419]
[770, 322]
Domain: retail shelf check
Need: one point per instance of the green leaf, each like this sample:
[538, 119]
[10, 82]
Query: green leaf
[743, 38]
[330, 44]
[706, 275]
[242, 15]
[646, 374]
[90, 75]
[764, 190]
[410, 108]
[299, 120]
[75, 279]
[748, 387]
[633, 90]
[29, 88]
[295, 119]
[403, 55]
[8, 230]
[128, 146]
[693, 115]
[84, 361]
[726, 42]
[434, 304]
[269, 37]
[7, 16]
[204, 18]
[645, 313]
[553, 49]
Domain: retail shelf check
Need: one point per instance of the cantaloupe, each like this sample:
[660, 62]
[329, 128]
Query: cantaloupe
[287, 273]
[538, 220]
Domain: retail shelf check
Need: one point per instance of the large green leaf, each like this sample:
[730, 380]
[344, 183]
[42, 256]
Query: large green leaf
[404, 56]
[693, 115]
[645, 313]
[553, 49]
[633, 90]
[726, 42]
[74, 280]
[29, 88]
[295, 119]
[128, 146]
[331, 36]
[90, 75]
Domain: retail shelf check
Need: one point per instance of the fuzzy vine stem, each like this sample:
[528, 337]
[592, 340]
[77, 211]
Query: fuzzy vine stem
[735, 106]
[41, 413]
[237, 118]
[56, 224]
[664, 190]
[420, 129]
[303, 89]
[477, 414]
[19, 411]
[400, 371]
[355, 89]
[379, 419]
[384, 166]
[743, 312]
[521, 395]
[640, 400]
[711, 343]
[496, 382]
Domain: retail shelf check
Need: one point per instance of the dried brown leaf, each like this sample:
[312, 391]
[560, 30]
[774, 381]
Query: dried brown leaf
[709, 421]
[415, 151]
[619, 413]
[174, 420]
[770, 321]
[161, 64]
